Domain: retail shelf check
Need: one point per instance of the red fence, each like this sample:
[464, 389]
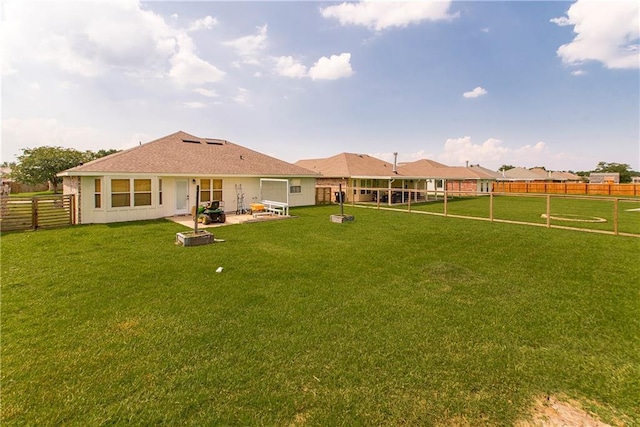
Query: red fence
[627, 190]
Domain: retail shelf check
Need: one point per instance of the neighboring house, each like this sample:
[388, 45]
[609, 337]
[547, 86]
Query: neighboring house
[365, 175]
[555, 176]
[604, 178]
[537, 175]
[467, 179]
[352, 170]
[159, 179]
[520, 174]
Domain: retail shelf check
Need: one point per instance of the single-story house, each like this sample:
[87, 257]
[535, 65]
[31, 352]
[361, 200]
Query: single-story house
[351, 170]
[161, 178]
[473, 179]
[537, 175]
[365, 176]
[604, 178]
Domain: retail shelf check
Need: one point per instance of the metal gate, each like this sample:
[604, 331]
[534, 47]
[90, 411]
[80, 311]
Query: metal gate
[30, 213]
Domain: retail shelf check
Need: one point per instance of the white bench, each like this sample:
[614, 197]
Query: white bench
[275, 208]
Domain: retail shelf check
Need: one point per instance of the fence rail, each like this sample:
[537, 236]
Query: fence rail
[596, 214]
[31, 213]
[624, 190]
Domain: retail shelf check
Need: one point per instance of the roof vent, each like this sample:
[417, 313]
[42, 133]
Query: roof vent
[192, 141]
[214, 141]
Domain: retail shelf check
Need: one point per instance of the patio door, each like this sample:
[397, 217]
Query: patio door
[182, 197]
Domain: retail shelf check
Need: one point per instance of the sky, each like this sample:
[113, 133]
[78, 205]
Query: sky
[522, 83]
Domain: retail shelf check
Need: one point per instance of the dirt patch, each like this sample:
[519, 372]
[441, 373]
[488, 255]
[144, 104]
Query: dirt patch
[551, 412]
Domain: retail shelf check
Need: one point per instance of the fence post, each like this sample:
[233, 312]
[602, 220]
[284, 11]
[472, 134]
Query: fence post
[34, 213]
[378, 199]
[548, 210]
[445, 200]
[491, 206]
[410, 200]
[615, 216]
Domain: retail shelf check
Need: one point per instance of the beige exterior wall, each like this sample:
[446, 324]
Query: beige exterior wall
[88, 213]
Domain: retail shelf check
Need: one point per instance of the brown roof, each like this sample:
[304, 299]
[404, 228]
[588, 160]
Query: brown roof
[348, 165]
[537, 174]
[181, 153]
[430, 169]
[520, 174]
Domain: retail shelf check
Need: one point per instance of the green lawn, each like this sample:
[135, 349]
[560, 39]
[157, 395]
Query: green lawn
[565, 211]
[393, 319]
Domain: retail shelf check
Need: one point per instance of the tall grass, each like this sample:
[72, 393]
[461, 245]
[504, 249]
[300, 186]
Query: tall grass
[392, 319]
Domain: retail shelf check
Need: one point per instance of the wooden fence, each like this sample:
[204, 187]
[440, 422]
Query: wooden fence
[624, 190]
[31, 213]
[417, 200]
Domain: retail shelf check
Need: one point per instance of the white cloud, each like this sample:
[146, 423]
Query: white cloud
[192, 104]
[577, 72]
[475, 93]
[187, 68]
[242, 96]
[206, 23]
[206, 92]
[249, 46]
[379, 15]
[336, 67]
[38, 131]
[96, 38]
[457, 151]
[606, 32]
[288, 67]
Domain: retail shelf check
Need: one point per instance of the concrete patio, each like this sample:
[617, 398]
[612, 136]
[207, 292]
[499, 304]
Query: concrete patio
[187, 220]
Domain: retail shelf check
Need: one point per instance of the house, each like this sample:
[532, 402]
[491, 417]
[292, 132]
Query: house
[351, 170]
[161, 179]
[537, 175]
[365, 176]
[472, 179]
[604, 178]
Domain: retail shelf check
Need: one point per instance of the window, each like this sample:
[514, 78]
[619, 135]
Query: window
[295, 186]
[142, 192]
[120, 193]
[160, 192]
[97, 193]
[210, 189]
[217, 189]
[205, 190]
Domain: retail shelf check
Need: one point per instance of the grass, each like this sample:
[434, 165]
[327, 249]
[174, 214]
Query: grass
[391, 319]
[530, 209]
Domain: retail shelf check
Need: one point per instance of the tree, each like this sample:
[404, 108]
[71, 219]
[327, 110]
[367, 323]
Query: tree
[623, 169]
[90, 155]
[42, 164]
[506, 168]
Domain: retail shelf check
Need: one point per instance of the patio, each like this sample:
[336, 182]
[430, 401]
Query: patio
[187, 220]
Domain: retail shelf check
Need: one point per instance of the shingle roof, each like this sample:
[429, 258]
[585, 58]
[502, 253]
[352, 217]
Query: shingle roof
[537, 174]
[520, 174]
[486, 172]
[348, 165]
[429, 169]
[182, 153]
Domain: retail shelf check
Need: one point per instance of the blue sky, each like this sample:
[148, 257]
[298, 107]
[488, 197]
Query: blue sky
[552, 84]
